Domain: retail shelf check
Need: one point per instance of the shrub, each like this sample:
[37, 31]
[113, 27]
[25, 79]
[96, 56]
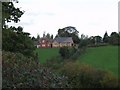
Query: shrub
[109, 81]
[67, 52]
[83, 43]
[54, 63]
[17, 41]
[22, 72]
[84, 76]
[64, 52]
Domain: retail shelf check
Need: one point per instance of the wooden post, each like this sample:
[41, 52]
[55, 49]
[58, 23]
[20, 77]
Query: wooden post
[0, 45]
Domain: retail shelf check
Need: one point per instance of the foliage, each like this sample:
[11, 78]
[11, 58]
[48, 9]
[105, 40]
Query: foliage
[98, 39]
[114, 38]
[10, 13]
[95, 40]
[83, 43]
[67, 52]
[51, 36]
[23, 72]
[38, 37]
[48, 35]
[84, 76]
[106, 38]
[109, 81]
[54, 63]
[14, 39]
[69, 32]
[64, 52]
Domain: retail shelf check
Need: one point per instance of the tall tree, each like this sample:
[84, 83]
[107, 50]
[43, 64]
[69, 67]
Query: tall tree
[114, 38]
[93, 40]
[51, 36]
[10, 13]
[69, 32]
[98, 39]
[44, 34]
[33, 38]
[106, 38]
[38, 36]
[83, 41]
[48, 36]
[14, 39]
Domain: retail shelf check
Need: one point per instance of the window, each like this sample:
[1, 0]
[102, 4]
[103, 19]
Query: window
[43, 41]
[43, 45]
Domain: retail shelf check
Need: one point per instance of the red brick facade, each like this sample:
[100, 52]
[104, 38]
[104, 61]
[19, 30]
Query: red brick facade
[44, 43]
[57, 42]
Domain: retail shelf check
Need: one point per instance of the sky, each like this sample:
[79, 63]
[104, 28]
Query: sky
[90, 17]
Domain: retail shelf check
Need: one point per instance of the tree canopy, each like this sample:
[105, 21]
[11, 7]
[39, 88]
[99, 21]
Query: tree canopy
[69, 32]
[10, 13]
[106, 38]
[114, 38]
[14, 39]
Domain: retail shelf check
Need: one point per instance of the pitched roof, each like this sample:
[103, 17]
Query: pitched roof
[63, 39]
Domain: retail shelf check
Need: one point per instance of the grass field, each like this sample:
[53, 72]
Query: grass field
[101, 57]
[46, 53]
[105, 57]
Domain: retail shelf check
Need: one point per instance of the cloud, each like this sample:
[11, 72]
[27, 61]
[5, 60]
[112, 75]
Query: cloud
[40, 13]
[91, 17]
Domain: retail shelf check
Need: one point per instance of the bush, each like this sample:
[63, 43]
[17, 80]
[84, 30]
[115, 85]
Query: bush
[84, 76]
[21, 72]
[17, 41]
[109, 81]
[64, 52]
[67, 52]
[54, 63]
[83, 43]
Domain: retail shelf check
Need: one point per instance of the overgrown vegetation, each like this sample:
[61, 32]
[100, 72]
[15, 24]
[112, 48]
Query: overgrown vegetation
[67, 52]
[14, 39]
[23, 72]
[84, 76]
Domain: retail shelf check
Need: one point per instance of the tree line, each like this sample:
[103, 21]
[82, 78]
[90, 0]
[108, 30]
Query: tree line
[71, 31]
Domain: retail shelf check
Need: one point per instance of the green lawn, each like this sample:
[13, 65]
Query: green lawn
[101, 57]
[46, 53]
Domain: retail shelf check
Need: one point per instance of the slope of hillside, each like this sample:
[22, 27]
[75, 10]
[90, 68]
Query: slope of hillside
[101, 57]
